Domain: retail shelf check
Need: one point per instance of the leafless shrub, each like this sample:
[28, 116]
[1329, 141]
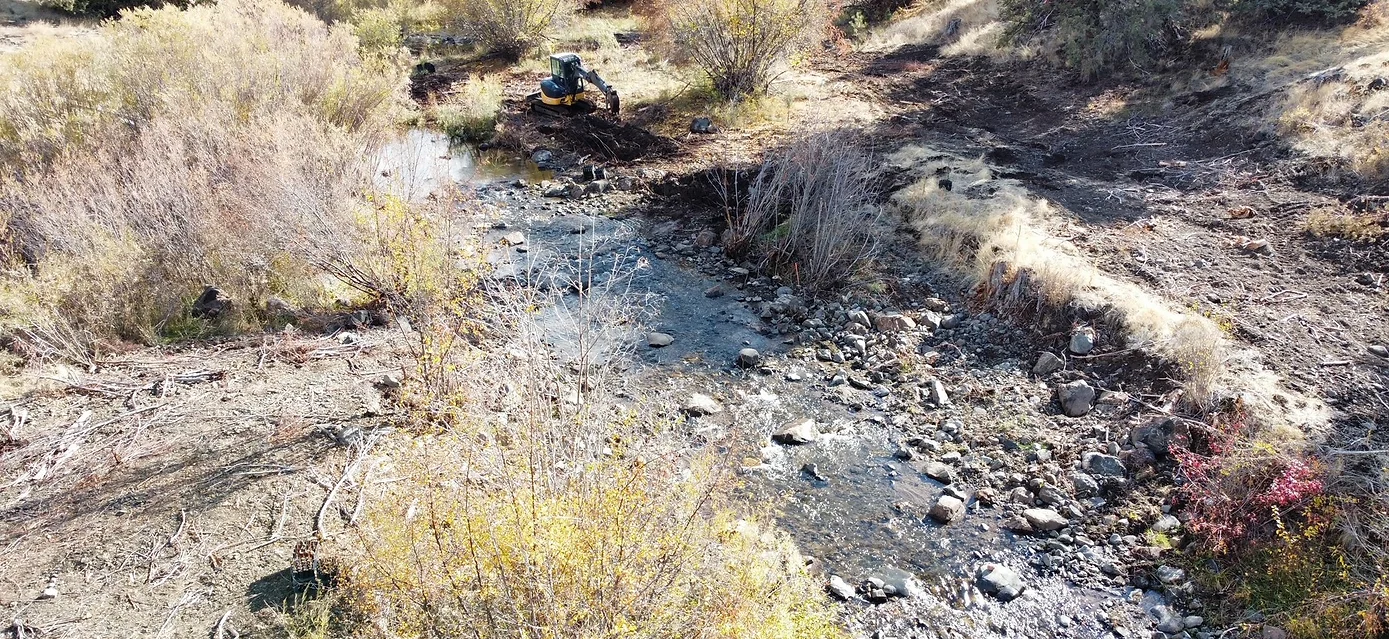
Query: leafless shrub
[810, 212]
[741, 44]
[508, 27]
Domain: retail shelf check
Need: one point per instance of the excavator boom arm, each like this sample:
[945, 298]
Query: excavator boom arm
[608, 92]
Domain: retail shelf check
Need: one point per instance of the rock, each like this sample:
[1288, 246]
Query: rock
[279, 309]
[1273, 632]
[1170, 575]
[939, 472]
[659, 340]
[1047, 364]
[814, 471]
[212, 304]
[706, 238]
[542, 157]
[1193, 621]
[51, 592]
[802, 431]
[1085, 485]
[1018, 524]
[1075, 398]
[716, 290]
[1044, 519]
[952, 321]
[1166, 524]
[1167, 620]
[1001, 582]
[1379, 350]
[860, 318]
[704, 126]
[348, 337]
[948, 510]
[749, 358]
[514, 238]
[840, 588]
[938, 395]
[893, 323]
[1082, 340]
[1155, 434]
[1103, 465]
[700, 405]
[626, 183]
[388, 381]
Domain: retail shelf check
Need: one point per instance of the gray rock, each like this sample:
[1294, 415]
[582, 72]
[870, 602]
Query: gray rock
[749, 358]
[703, 126]
[389, 381]
[659, 340]
[1193, 621]
[1082, 340]
[840, 588]
[939, 472]
[1170, 574]
[951, 321]
[514, 238]
[1075, 397]
[1166, 524]
[1103, 465]
[716, 290]
[860, 318]
[1085, 485]
[797, 432]
[893, 323]
[50, 592]
[1047, 363]
[1044, 519]
[700, 404]
[1001, 582]
[948, 510]
[938, 396]
[1379, 350]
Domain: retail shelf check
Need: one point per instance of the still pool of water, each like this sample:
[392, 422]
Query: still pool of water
[421, 162]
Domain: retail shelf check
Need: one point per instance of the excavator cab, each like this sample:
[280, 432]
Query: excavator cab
[566, 85]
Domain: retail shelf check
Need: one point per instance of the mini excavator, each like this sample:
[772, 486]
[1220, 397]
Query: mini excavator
[563, 92]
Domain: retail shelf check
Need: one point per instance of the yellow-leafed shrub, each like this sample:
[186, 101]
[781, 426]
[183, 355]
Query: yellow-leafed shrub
[615, 546]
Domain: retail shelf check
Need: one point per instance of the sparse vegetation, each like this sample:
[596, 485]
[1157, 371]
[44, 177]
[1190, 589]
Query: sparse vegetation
[1098, 36]
[470, 111]
[1361, 227]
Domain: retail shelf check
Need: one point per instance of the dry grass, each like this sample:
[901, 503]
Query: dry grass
[810, 212]
[978, 31]
[469, 111]
[220, 145]
[995, 240]
[743, 45]
[1363, 227]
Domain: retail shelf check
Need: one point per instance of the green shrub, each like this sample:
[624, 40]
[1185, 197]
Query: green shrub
[470, 113]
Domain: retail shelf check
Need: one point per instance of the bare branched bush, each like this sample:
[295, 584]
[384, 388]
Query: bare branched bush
[508, 28]
[811, 212]
[178, 149]
[742, 45]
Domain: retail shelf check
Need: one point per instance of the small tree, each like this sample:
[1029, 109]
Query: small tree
[508, 27]
[741, 43]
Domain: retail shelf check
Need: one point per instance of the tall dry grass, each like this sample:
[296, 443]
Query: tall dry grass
[220, 145]
[810, 211]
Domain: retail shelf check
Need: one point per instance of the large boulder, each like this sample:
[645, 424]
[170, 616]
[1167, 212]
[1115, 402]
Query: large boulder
[948, 510]
[1000, 581]
[1044, 519]
[801, 431]
[1075, 397]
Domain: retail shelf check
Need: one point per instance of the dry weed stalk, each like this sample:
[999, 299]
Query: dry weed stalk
[810, 212]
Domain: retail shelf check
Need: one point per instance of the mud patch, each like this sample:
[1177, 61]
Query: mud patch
[613, 140]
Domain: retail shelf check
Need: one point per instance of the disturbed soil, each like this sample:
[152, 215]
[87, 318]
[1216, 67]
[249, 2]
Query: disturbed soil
[163, 493]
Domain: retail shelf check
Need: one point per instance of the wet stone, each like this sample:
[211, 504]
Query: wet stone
[1000, 581]
[948, 510]
[797, 432]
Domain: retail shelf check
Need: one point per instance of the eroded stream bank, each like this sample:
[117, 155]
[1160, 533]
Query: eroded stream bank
[922, 412]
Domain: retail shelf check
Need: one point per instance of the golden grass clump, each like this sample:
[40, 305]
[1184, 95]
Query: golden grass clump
[221, 145]
[995, 240]
[1350, 226]
[621, 546]
[470, 110]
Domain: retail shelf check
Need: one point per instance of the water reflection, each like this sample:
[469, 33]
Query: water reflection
[421, 162]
